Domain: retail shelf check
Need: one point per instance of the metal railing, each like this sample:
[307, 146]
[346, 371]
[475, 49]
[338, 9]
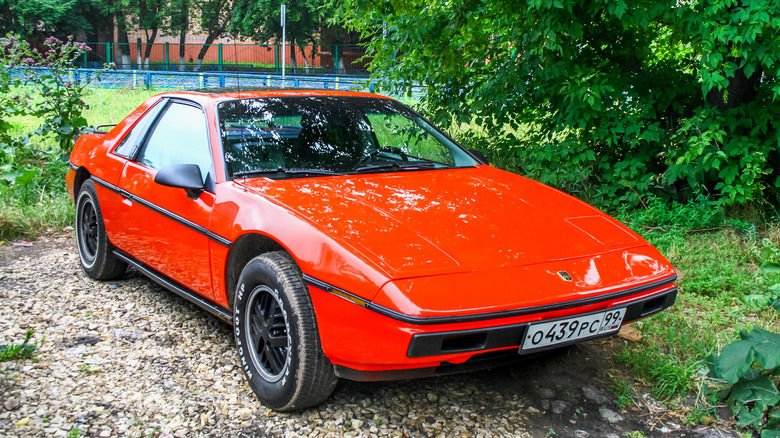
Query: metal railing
[171, 80]
[251, 58]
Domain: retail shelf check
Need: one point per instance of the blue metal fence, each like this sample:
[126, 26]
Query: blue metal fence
[168, 80]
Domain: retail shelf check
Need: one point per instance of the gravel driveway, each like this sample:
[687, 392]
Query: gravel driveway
[130, 359]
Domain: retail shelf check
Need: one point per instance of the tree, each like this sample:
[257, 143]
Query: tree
[214, 18]
[260, 20]
[150, 19]
[609, 100]
[148, 15]
[179, 23]
[120, 11]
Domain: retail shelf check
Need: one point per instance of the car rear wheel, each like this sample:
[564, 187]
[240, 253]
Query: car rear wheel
[91, 239]
[276, 335]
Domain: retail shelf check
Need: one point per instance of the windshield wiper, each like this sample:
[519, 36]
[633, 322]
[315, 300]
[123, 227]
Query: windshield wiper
[283, 171]
[412, 165]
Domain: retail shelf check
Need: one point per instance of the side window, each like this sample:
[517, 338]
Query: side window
[133, 139]
[180, 137]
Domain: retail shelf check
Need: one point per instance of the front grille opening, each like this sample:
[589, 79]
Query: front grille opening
[654, 305]
[472, 341]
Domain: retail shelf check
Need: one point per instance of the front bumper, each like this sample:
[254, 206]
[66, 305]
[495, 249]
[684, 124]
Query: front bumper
[367, 344]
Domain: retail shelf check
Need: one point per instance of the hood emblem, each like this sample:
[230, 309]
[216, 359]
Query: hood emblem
[564, 275]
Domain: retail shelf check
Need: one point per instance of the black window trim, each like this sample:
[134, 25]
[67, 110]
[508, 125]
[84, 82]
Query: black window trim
[211, 175]
[154, 112]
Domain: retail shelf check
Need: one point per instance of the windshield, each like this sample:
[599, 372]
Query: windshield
[283, 137]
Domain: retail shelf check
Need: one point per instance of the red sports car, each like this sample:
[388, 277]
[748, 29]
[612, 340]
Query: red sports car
[342, 235]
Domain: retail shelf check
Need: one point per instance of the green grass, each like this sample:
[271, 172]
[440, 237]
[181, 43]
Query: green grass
[16, 351]
[111, 106]
[51, 213]
[106, 106]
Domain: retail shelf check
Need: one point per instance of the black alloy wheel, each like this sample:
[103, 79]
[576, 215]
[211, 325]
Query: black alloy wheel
[95, 251]
[88, 230]
[268, 334]
[276, 335]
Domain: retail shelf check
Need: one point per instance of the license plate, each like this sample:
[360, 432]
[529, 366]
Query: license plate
[544, 334]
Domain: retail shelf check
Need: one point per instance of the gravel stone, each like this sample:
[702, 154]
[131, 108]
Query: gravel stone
[129, 359]
[712, 433]
[591, 393]
[610, 415]
[547, 393]
[12, 403]
[560, 406]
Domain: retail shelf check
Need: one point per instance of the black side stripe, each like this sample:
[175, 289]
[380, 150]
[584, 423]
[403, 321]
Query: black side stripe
[187, 223]
[423, 320]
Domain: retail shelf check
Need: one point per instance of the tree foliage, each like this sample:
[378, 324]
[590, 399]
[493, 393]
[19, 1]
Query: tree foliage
[214, 18]
[260, 20]
[609, 100]
[41, 18]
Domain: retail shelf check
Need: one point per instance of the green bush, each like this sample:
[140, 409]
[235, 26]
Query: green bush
[749, 367]
[611, 101]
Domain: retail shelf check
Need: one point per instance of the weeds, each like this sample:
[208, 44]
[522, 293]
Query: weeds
[721, 290]
[622, 390]
[747, 369]
[89, 369]
[24, 350]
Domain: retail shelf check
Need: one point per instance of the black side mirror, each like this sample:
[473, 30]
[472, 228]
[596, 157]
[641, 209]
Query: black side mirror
[185, 176]
[479, 156]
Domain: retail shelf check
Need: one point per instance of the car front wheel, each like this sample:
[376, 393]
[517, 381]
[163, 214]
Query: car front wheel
[91, 239]
[276, 335]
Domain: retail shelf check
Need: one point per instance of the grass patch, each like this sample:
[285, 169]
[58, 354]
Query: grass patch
[717, 259]
[17, 351]
[52, 212]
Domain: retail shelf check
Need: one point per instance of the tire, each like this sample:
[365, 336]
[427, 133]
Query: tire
[276, 335]
[91, 239]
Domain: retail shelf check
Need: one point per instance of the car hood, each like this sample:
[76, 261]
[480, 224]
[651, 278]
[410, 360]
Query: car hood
[420, 223]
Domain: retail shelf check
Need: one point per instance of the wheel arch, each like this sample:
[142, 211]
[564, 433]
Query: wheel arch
[82, 174]
[244, 249]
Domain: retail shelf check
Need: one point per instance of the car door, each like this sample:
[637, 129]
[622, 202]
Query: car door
[165, 227]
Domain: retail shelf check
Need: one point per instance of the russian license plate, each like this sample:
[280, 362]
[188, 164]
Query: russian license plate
[544, 334]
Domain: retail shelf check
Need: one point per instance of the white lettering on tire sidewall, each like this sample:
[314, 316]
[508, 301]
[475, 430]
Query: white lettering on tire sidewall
[242, 353]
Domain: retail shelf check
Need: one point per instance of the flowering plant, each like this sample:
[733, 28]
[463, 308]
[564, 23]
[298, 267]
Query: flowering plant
[39, 82]
[48, 72]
